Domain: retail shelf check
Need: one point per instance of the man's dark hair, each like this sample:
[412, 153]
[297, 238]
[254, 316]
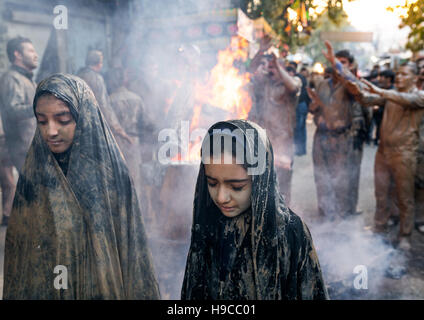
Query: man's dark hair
[388, 74]
[15, 44]
[411, 66]
[290, 69]
[328, 70]
[93, 58]
[345, 54]
[293, 64]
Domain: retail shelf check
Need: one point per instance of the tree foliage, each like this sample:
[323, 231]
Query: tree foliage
[414, 19]
[292, 32]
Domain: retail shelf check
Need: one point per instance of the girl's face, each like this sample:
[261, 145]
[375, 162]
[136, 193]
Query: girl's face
[230, 187]
[56, 124]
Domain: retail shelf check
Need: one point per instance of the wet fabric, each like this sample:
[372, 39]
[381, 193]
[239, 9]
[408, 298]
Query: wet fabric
[98, 86]
[16, 95]
[88, 220]
[264, 253]
[336, 159]
[332, 164]
[132, 116]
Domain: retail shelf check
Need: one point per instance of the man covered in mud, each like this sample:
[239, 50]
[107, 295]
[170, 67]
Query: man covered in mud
[131, 114]
[275, 95]
[397, 155]
[91, 74]
[17, 91]
[337, 147]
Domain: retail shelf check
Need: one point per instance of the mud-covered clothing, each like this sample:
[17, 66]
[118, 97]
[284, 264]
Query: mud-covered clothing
[265, 253]
[336, 161]
[132, 116]
[16, 95]
[397, 154]
[97, 84]
[7, 184]
[274, 109]
[77, 210]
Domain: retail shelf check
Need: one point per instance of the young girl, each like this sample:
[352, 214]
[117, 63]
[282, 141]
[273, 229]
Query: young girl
[76, 230]
[246, 243]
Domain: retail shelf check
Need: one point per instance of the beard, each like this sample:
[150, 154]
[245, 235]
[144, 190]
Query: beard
[29, 62]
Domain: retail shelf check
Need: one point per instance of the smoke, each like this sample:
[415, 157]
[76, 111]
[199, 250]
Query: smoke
[355, 262]
[167, 51]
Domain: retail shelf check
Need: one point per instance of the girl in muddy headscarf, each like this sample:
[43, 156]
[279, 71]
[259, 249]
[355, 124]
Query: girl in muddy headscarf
[246, 243]
[76, 230]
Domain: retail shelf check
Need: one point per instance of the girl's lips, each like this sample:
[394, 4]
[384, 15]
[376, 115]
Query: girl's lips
[55, 143]
[226, 209]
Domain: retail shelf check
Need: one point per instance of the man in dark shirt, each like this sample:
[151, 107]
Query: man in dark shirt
[301, 114]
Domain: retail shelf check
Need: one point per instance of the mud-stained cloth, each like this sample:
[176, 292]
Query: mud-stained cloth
[87, 220]
[264, 253]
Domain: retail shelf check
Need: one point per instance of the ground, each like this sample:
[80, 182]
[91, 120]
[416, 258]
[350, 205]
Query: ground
[355, 263]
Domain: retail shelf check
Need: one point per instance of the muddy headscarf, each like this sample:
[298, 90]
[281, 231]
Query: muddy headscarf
[264, 253]
[85, 225]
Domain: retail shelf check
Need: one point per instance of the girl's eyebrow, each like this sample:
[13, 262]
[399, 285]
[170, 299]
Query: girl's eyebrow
[236, 180]
[230, 180]
[63, 113]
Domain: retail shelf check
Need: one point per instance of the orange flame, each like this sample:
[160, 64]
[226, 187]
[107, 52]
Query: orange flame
[225, 88]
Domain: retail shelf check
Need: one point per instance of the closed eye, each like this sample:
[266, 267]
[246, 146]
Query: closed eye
[238, 188]
[65, 122]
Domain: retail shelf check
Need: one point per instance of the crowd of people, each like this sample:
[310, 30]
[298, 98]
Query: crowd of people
[346, 111]
[82, 197]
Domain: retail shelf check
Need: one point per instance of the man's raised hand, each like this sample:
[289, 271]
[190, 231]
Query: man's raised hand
[329, 54]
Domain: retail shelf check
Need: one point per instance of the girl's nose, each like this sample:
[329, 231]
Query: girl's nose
[52, 129]
[223, 195]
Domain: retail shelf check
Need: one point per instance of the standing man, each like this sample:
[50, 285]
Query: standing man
[275, 95]
[337, 147]
[91, 74]
[301, 114]
[132, 115]
[397, 154]
[17, 91]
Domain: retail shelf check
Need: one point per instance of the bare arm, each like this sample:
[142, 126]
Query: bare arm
[406, 99]
[293, 84]
[265, 44]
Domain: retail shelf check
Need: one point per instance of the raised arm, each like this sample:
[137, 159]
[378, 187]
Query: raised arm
[293, 84]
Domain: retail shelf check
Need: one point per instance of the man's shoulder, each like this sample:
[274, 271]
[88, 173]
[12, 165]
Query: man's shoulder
[11, 75]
